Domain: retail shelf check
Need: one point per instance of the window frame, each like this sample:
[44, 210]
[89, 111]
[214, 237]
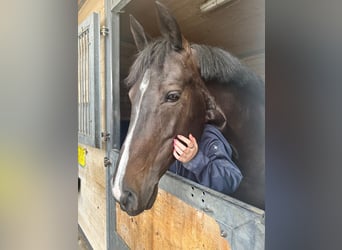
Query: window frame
[89, 124]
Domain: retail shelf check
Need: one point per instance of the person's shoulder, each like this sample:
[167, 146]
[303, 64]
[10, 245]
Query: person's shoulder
[213, 134]
[211, 131]
[208, 128]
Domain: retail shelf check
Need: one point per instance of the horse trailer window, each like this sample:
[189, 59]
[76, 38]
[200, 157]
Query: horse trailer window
[88, 82]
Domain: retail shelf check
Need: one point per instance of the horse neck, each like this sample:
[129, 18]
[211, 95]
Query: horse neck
[242, 112]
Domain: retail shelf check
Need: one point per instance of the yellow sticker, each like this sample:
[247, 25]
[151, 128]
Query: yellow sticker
[82, 156]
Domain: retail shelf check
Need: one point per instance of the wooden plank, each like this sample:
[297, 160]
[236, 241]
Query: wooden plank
[238, 26]
[170, 224]
[92, 198]
[92, 6]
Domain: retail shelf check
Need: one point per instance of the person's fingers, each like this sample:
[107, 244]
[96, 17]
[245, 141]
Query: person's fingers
[184, 139]
[193, 140]
[181, 158]
[178, 150]
[179, 144]
[176, 155]
[184, 153]
[181, 149]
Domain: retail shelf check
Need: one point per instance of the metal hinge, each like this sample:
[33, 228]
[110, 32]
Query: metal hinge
[104, 30]
[105, 135]
[107, 162]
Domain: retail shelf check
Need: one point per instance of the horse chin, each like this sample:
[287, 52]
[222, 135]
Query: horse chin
[153, 198]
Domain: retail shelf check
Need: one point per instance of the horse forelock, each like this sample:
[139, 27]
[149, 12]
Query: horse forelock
[154, 53]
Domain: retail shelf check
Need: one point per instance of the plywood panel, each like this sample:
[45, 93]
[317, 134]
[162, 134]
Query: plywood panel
[170, 224]
[92, 198]
[91, 6]
[238, 26]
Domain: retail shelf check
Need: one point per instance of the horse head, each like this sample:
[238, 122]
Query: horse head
[168, 98]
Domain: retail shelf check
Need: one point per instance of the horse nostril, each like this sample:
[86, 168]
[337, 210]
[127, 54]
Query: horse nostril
[128, 200]
[124, 198]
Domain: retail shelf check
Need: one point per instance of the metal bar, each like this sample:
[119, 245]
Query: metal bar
[81, 85]
[78, 83]
[112, 46]
[96, 88]
[110, 205]
[115, 133]
[90, 81]
[83, 82]
[87, 79]
[118, 5]
[85, 63]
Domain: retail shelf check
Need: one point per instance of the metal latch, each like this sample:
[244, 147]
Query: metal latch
[107, 162]
[104, 31]
[105, 136]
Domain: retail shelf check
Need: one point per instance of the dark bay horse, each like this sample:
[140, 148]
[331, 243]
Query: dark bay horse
[175, 88]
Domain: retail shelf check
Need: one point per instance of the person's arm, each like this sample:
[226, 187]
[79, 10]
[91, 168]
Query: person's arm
[212, 164]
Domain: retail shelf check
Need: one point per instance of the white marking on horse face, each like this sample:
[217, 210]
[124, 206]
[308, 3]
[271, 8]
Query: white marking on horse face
[120, 173]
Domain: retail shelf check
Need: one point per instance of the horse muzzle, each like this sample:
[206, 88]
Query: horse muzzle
[130, 203]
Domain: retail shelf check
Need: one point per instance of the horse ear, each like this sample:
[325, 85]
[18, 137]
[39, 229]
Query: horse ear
[169, 27]
[214, 114]
[140, 37]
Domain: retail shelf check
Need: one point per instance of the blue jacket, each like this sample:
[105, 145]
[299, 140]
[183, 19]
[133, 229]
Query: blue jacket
[212, 166]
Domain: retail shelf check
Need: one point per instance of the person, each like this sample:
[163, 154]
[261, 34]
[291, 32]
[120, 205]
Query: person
[208, 163]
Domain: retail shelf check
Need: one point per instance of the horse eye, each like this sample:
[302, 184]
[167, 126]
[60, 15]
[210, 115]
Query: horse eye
[172, 96]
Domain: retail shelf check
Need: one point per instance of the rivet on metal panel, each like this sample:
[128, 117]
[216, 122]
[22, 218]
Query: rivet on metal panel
[207, 210]
[223, 233]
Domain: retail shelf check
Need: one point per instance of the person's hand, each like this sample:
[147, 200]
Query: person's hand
[185, 149]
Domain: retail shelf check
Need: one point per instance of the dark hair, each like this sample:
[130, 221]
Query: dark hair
[155, 52]
[220, 66]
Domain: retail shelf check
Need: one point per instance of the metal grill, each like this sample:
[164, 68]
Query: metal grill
[88, 82]
[84, 119]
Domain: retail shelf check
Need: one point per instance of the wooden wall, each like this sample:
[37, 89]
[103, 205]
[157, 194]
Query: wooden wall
[92, 196]
[170, 224]
[238, 26]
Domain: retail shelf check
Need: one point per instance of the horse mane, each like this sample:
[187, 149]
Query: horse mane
[217, 65]
[155, 52]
